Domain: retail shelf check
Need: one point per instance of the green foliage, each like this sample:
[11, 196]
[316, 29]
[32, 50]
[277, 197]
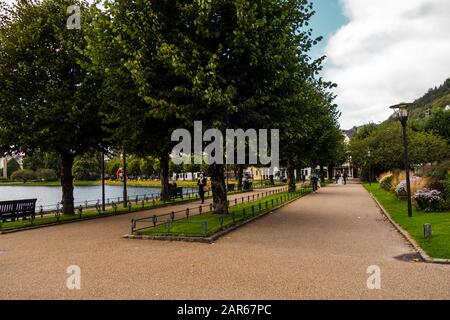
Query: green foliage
[386, 182]
[12, 166]
[46, 175]
[435, 98]
[48, 101]
[42, 160]
[112, 166]
[87, 167]
[439, 123]
[148, 166]
[134, 167]
[23, 175]
[386, 146]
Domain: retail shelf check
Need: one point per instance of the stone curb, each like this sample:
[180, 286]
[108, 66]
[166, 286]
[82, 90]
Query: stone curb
[218, 234]
[424, 256]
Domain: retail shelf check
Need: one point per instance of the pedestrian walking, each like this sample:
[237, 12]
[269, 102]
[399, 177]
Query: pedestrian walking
[202, 184]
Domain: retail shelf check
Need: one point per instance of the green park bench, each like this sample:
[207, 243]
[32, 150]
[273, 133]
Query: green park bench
[176, 193]
[15, 209]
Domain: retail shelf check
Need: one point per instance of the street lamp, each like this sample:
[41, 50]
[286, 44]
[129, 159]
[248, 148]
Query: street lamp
[369, 155]
[401, 114]
[350, 166]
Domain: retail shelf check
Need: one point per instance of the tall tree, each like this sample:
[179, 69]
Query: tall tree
[48, 102]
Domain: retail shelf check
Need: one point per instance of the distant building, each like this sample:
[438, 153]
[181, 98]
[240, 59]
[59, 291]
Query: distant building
[346, 167]
[4, 164]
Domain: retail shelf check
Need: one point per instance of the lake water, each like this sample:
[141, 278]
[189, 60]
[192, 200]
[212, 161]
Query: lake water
[49, 196]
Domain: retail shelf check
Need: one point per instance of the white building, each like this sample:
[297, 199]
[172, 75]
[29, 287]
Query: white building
[4, 164]
[4, 167]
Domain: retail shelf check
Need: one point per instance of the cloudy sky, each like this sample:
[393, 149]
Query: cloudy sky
[382, 52]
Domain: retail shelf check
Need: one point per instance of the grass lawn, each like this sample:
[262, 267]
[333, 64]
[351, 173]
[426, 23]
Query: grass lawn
[438, 246]
[208, 223]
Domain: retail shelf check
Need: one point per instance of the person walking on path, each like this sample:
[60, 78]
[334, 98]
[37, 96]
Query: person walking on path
[202, 184]
[338, 176]
[314, 181]
[345, 177]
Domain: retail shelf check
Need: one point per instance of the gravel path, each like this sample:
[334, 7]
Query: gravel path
[319, 247]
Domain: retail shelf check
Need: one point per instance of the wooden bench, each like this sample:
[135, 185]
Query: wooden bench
[15, 209]
[176, 193]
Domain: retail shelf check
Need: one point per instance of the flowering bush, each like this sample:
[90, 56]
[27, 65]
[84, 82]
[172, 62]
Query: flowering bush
[385, 182]
[400, 189]
[428, 200]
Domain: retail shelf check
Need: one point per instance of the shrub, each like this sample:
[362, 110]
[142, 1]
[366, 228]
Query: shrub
[46, 175]
[436, 174]
[12, 166]
[400, 189]
[428, 200]
[247, 185]
[386, 181]
[417, 183]
[23, 175]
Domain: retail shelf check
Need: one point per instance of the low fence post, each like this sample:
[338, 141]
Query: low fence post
[132, 226]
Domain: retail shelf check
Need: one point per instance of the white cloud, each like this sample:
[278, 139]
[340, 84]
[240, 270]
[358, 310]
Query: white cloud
[389, 52]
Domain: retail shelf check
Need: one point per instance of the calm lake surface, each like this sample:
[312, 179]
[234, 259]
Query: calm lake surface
[49, 196]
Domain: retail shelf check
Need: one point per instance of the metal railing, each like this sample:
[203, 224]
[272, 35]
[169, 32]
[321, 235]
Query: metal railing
[110, 201]
[172, 217]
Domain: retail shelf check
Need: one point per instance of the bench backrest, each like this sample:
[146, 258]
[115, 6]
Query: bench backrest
[18, 206]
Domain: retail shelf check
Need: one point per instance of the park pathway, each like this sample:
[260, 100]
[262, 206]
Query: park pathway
[318, 247]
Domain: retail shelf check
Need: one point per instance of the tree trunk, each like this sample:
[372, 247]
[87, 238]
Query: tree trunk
[330, 172]
[125, 178]
[240, 175]
[291, 177]
[67, 184]
[322, 174]
[165, 177]
[218, 188]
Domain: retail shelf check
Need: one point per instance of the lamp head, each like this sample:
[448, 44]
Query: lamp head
[401, 110]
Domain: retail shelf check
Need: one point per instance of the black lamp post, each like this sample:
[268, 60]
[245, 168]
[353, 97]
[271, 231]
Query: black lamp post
[402, 115]
[103, 181]
[369, 155]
